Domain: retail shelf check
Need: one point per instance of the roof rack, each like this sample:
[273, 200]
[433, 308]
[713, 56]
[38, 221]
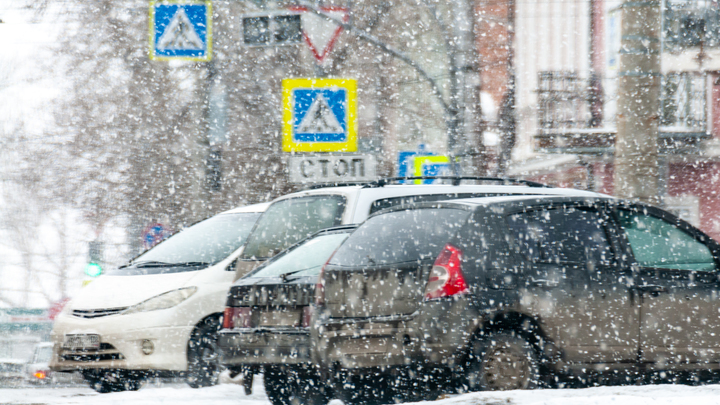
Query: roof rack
[325, 185]
[455, 181]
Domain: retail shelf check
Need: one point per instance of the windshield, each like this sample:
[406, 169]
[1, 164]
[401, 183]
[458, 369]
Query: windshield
[287, 222]
[206, 242]
[400, 236]
[305, 259]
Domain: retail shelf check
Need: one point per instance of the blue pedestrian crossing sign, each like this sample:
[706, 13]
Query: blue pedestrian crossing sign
[319, 115]
[181, 30]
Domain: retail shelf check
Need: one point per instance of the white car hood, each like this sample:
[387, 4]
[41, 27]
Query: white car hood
[107, 292]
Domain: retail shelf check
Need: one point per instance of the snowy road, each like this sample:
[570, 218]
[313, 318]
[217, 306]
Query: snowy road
[233, 394]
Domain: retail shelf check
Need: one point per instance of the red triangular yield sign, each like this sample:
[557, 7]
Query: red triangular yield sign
[319, 33]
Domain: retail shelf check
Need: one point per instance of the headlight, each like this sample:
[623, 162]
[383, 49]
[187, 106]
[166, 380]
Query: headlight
[163, 301]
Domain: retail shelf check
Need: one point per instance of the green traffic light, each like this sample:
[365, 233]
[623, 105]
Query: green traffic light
[93, 269]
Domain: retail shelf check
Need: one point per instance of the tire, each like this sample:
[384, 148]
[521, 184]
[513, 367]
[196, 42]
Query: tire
[500, 362]
[202, 355]
[414, 384]
[105, 381]
[368, 389]
[295, 386]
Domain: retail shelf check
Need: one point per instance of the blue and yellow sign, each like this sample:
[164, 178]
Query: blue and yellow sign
[430, 166]
[181, 30]
[319, 115]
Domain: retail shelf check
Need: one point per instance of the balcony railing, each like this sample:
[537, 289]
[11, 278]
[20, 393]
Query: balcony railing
[570, 116]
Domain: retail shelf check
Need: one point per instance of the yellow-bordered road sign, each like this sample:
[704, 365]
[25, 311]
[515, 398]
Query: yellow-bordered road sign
[319, 115]
[430, 166]
[181, 30]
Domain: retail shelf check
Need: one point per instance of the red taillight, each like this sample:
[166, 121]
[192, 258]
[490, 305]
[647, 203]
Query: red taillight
[320, 288]
[446, 278]
[40, 374]
[237, 317]
[306, 316]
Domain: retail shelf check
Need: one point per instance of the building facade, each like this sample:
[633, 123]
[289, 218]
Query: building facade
[566, 61]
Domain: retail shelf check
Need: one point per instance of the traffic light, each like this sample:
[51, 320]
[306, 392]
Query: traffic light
[95, 253]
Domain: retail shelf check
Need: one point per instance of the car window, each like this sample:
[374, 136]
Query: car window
[304, 260]
[43, 355]
[400, 236]
[289, 221]
[209, 242]
[657, 243]
[562, 235]
[414, 199]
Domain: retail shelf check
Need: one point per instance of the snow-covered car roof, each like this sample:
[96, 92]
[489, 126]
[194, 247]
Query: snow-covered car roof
[248, 208]
[13, 361]
[44, 344]
[512, 198]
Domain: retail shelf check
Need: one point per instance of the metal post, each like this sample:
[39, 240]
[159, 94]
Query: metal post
[464, 85]
[636, 147]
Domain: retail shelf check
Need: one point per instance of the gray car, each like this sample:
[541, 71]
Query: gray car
[266, 327]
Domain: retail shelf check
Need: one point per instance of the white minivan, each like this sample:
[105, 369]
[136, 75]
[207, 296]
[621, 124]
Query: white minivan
[159, 314]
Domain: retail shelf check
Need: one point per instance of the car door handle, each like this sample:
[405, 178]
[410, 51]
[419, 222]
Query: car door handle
[654, 290]
[544, 282]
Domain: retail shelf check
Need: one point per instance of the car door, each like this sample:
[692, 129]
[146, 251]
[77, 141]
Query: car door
[576, 281]
[677, 284]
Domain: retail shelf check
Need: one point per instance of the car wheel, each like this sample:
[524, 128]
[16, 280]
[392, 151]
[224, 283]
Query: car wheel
[500, 362]
[413, 384]
[203, 357]
[295, 386]
[373, 389]
[104, 381]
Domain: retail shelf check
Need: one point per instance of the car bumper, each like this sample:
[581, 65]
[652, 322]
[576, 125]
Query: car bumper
[356, 345]
[121, 348]
[448, 327]
[264, 346]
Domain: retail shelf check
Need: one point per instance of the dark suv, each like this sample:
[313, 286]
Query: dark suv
[511, 292]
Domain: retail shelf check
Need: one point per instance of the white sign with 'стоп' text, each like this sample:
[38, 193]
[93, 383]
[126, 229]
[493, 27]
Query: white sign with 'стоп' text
[332, 168]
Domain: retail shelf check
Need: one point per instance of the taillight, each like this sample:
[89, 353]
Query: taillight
[306, 316]
[237, 317]
[40, 374]
[320, 288]
[446, 278]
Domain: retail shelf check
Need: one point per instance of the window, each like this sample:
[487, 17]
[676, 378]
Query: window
[409, 200]
[563, 235]
[305, 260]
[400, 237]
[209, 241]
[682, 101]
[659, 244]
[287, 222]
[562, 101]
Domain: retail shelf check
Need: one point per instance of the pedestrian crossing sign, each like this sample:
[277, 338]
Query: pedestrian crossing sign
[181, 30]
[319, 115]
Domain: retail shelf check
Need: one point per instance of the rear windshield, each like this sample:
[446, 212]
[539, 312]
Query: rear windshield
[287, 222]
[400, 236]
[304, 260]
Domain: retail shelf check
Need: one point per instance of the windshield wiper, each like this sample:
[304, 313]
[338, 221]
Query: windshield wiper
[284, 276]
[163, 264]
